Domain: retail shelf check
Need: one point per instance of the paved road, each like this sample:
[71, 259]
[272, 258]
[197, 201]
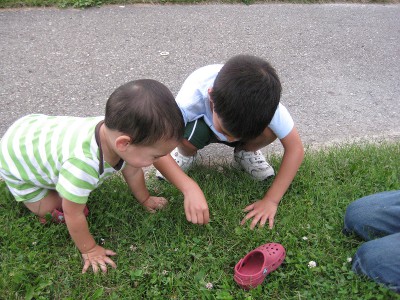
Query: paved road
[339, 63]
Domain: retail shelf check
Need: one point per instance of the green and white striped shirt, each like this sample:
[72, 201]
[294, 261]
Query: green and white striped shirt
[41, 152]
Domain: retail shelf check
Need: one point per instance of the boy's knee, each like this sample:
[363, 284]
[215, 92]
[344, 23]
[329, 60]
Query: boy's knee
[187, 148]
[353, 218]
[376, 260]
[367, 258]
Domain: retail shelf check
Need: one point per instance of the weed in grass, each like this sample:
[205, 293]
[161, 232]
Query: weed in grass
[162, 256]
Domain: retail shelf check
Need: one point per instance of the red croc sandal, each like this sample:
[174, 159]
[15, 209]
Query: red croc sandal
[56, 216]
[251, 270]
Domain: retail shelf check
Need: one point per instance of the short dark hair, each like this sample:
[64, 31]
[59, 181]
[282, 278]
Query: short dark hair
[146, 111]
[246, 94]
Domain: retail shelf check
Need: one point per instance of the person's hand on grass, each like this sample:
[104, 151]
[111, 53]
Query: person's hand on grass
[261, 211]
[195, 204]
[196, 207]
[98, 258]
[152, 204]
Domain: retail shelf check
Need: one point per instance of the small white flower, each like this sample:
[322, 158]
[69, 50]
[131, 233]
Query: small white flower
[164, 272]
[176, 249]
[312, 264]
[133, 248]
[349, 259]
[305, 238]
[34, 243]
[209, 286]
[102, 241]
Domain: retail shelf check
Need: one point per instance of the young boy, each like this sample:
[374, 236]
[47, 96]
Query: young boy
[238, 104]
[51, 164]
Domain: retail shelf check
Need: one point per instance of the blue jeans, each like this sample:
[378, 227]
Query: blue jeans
[376, 219]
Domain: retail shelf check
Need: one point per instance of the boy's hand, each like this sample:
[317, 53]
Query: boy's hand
[154, 203]
[262, 211]
[196, 207]
[97, 257]
[195, 204]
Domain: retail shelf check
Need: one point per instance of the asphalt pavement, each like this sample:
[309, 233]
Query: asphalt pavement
[339, 63]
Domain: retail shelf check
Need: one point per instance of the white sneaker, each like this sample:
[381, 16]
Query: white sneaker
[254, 163]
[184, 162]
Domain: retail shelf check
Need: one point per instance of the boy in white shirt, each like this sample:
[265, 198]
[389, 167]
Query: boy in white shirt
[237, 104]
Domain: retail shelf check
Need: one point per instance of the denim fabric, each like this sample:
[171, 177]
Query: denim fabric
[376, 218]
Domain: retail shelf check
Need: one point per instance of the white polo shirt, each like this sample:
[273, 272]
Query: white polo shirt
[194, 102]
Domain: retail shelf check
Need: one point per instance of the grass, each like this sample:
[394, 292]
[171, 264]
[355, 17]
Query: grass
[162, 256]
[94, 3]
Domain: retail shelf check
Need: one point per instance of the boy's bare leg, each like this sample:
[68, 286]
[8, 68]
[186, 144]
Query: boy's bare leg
[187, 148]
[46, 205]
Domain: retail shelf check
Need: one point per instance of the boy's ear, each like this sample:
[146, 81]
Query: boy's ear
[211, 100]
[122, 142]
[209, 93]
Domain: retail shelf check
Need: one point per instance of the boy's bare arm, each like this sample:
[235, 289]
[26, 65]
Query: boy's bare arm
[266, 208]
[291, 161]
[134, 177]
[93, 254]
[195, 204]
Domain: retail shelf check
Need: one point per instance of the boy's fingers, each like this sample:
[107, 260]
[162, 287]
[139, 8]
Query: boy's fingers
[203, 217]
[110, 252]
[254, 222]
[94, 267]
[85, 266]
[161, 205]
[99, 262]
[194, 218]
[263, 221]
[110, 262]
[160, 202]
[248, 208]
[150, 210]
[103, 267]
[206, 217]
[200, 219]
[271, 222]
[188, 216]
[248, 216]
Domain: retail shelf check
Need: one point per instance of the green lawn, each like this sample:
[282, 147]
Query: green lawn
[162, 256]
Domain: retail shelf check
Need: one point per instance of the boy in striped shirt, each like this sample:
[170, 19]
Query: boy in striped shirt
[51, 164]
